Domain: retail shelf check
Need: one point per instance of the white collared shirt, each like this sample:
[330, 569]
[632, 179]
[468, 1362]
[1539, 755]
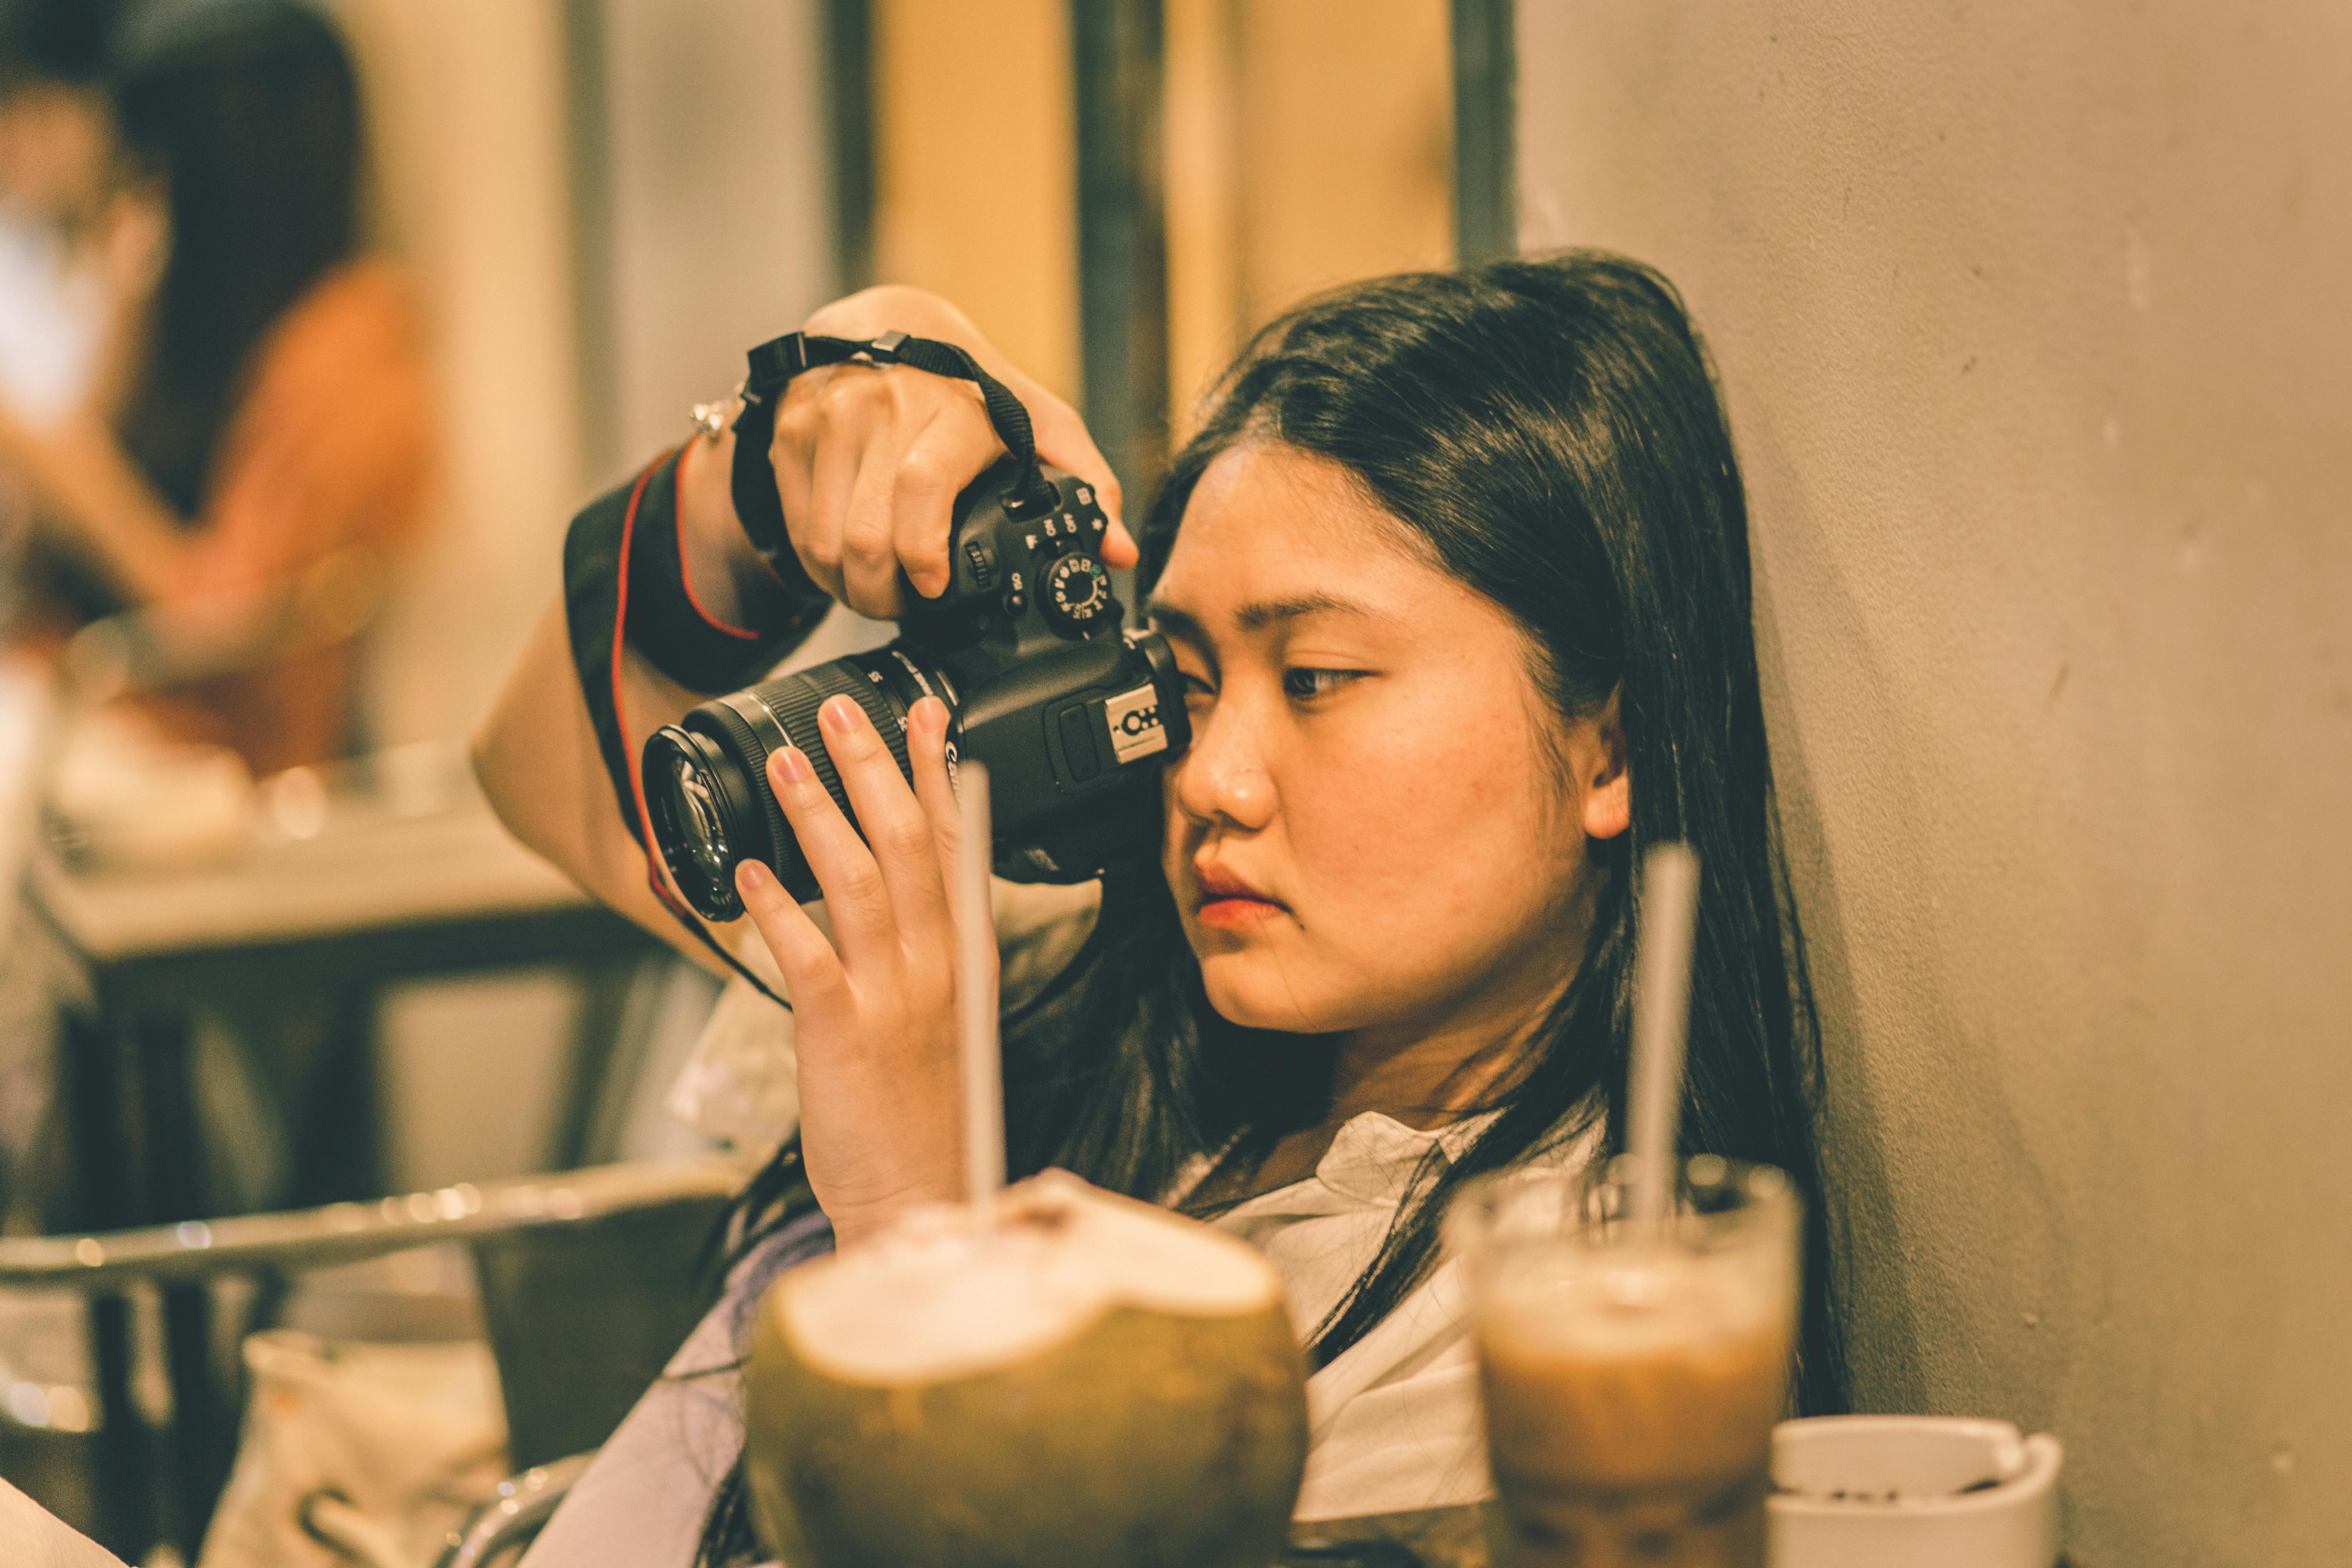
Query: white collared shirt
[1393, 1421]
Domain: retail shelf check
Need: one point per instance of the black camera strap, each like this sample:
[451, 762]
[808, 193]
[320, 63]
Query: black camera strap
[606, 585]
[772, 366]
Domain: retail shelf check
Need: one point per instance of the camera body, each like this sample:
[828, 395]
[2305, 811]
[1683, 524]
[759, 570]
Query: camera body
[1073, 715]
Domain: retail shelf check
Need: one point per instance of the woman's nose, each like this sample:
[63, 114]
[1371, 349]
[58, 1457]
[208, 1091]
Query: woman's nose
[1222, 774]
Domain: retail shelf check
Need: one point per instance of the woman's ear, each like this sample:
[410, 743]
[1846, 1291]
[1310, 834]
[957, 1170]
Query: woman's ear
[1607, 793]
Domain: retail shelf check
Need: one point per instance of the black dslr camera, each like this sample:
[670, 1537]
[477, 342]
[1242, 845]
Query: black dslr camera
[1073, 716]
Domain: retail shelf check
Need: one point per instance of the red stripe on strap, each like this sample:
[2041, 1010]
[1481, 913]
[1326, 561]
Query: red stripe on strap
[685, 570]
[654, 876]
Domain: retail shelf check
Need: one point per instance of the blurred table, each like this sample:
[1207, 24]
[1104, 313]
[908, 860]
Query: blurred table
[372, 897]
[374, 894]
[322, 921]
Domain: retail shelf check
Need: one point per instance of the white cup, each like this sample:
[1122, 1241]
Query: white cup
[1921, 1491]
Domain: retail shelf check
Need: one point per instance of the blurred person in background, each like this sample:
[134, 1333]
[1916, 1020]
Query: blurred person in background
[228, 435]
[57, 151]
[244, 446]
[57, 136]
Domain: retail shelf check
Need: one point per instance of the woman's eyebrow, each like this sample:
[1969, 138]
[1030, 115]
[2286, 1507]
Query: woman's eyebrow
[1259, 614]
[1173, 622]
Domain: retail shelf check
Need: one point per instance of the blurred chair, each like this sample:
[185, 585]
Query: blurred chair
[590, 1280]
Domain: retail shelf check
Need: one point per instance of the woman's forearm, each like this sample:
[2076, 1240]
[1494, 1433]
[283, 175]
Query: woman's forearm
[108, 514]
[537, 758]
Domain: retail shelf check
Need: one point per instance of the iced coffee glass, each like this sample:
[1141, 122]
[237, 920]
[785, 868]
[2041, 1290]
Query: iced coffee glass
[1632, 1370]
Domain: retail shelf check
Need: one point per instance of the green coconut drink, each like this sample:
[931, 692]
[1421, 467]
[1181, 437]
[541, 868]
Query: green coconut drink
[1073, 1380]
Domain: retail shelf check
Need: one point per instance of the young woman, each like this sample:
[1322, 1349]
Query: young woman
[1456, 572]
[259, 450]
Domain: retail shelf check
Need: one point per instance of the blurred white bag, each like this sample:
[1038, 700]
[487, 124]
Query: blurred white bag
[386, 1447]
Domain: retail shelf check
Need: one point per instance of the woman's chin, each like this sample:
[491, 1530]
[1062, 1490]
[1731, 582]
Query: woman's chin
[1247, 989]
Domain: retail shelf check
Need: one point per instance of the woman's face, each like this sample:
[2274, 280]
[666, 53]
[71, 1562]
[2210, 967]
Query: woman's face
[1372, 829]
[57, 152]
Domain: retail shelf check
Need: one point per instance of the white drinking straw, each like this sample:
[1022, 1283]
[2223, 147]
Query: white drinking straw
[1669, 906]
[975, 985]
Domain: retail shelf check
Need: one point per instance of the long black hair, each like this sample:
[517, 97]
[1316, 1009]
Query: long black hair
[54, 42]
[1550, 426]
[247, 112]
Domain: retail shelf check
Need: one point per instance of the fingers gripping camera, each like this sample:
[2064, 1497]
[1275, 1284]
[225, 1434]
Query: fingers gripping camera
[1074, 716]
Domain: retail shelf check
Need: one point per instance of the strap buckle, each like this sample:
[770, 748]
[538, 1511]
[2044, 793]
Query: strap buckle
[773, 364]
[884, 349]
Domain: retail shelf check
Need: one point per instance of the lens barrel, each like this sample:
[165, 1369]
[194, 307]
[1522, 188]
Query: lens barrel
[706, 776]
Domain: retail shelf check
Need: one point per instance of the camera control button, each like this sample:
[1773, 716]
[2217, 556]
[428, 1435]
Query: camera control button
[983, 563]
[1078, 591]
[1016, 603]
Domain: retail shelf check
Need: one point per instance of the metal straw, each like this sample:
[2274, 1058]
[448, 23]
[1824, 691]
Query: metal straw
[1669, 906]
[975, 984]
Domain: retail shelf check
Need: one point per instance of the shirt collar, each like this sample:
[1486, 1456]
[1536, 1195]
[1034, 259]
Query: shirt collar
[1372, 1159]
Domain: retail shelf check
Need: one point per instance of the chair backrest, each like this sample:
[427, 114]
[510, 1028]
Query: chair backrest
[583, 1316]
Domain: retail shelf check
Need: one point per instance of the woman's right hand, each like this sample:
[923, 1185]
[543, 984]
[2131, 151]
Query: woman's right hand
[869, 459]
[874, 1005]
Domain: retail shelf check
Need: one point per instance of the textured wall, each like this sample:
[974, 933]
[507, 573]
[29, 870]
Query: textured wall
[2033, 323]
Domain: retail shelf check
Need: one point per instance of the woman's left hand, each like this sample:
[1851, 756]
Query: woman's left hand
[875, 1007]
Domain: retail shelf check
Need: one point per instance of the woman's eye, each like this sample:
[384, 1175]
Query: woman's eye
[1305, 685]
[1194, 686]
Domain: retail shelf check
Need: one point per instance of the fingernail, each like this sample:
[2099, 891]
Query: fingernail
[839, 714]
[751, 877]
[794, 764]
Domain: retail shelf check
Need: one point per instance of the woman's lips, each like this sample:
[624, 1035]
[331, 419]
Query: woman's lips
[1237, 913]
[1229, 903]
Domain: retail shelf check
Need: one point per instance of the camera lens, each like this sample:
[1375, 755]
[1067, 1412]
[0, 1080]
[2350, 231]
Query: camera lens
[706, 776]
[702, 831]
[704, 812]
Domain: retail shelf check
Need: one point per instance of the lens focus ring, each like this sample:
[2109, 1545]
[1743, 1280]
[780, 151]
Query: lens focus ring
[747, 747]
[795, 698]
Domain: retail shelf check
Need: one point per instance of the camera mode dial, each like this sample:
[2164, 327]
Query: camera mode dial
[1077, 592]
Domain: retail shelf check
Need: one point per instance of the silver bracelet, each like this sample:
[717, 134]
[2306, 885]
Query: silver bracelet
[711, 419]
